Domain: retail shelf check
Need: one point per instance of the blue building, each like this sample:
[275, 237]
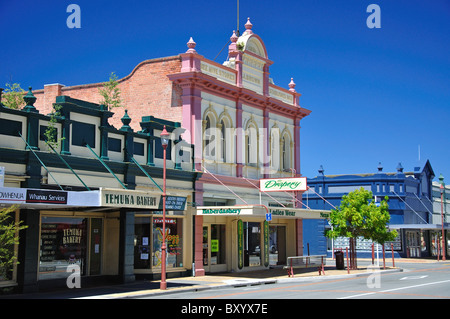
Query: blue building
[410, 206]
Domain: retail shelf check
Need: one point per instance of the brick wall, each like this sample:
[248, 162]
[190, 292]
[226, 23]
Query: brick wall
[145, 91]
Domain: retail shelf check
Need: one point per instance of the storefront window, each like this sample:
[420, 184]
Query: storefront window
[63, 242]
[252, 244]
[174, 242]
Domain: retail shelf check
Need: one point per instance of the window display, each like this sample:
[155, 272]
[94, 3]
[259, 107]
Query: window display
[148, 240]
[174, 227]
[63, 242]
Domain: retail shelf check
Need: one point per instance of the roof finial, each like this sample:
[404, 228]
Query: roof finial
[234, 37]
[380, 167]
[126, 119]
[30, 99]
[321, 170]
[191, 45]
[248, 26]
[292, 85]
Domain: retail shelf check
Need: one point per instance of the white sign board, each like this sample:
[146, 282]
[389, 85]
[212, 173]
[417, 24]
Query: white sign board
[294, 184]
[2, 176]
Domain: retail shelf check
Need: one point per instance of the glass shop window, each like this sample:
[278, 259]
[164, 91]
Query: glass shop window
[174, 242]
[63, 242]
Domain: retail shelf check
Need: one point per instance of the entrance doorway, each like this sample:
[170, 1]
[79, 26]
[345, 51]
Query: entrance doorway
[277, 245]
[214, 248]
[252, 244]
[413, 243]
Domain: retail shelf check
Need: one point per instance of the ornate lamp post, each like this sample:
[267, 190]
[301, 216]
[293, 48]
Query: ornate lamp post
[444, 252]
[164, 142]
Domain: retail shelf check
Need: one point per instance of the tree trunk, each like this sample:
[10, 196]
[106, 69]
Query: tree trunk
[353, 262]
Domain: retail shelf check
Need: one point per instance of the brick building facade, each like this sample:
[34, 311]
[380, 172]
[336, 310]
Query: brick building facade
[146, 90]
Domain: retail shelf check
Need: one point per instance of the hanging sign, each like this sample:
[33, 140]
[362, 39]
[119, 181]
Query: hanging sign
[297, 184]
[174, 203]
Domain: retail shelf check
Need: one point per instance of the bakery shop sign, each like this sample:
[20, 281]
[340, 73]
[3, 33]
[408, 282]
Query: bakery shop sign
[129, 199]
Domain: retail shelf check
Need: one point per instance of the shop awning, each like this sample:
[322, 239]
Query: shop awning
[260, 211]
[419, 226]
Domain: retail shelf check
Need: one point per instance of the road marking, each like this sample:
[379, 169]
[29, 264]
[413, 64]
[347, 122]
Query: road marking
[413, 277]
[395, 289]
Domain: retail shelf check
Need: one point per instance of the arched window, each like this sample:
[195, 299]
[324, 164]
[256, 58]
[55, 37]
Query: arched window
[223, 142]
[209, 149]
[285, 152]
[251, 145]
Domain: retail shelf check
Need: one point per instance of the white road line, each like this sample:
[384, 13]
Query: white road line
[395, 289]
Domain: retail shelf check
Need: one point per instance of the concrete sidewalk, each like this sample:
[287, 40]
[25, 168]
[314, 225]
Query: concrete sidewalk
[215, 281]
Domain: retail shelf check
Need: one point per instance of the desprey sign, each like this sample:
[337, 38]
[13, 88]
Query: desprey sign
[294, 184]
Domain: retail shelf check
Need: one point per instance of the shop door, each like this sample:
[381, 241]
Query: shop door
[413, 243]
[95, 262]
[277, 245]
[214, 248]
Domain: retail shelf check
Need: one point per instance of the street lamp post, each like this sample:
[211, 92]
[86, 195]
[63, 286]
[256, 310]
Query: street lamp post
[164, 142]
[442, 221]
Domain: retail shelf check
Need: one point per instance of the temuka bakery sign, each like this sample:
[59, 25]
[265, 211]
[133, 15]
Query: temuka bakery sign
[294, 184]
[129, 198]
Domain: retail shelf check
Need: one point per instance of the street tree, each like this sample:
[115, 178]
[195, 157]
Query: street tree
[359, 216]
[9, 236]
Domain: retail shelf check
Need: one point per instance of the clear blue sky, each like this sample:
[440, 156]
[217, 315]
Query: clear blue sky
[375, 94]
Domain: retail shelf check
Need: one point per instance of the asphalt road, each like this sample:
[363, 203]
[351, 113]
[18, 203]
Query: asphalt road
[417, 281]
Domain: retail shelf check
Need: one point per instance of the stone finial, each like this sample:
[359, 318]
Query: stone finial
[29, 99]
[191, 45]
[292, 85]
[126, 120]
[248, 26]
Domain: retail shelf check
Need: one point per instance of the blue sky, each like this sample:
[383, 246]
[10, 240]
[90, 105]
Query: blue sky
[376, 95]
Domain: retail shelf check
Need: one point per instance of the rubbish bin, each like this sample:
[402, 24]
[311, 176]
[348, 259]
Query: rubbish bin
[339, 255]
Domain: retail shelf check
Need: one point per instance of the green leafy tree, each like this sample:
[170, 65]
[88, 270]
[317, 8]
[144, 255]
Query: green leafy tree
[50, 133]
[13, 96]
[9, 229]
[359, 216]
[111, 93]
